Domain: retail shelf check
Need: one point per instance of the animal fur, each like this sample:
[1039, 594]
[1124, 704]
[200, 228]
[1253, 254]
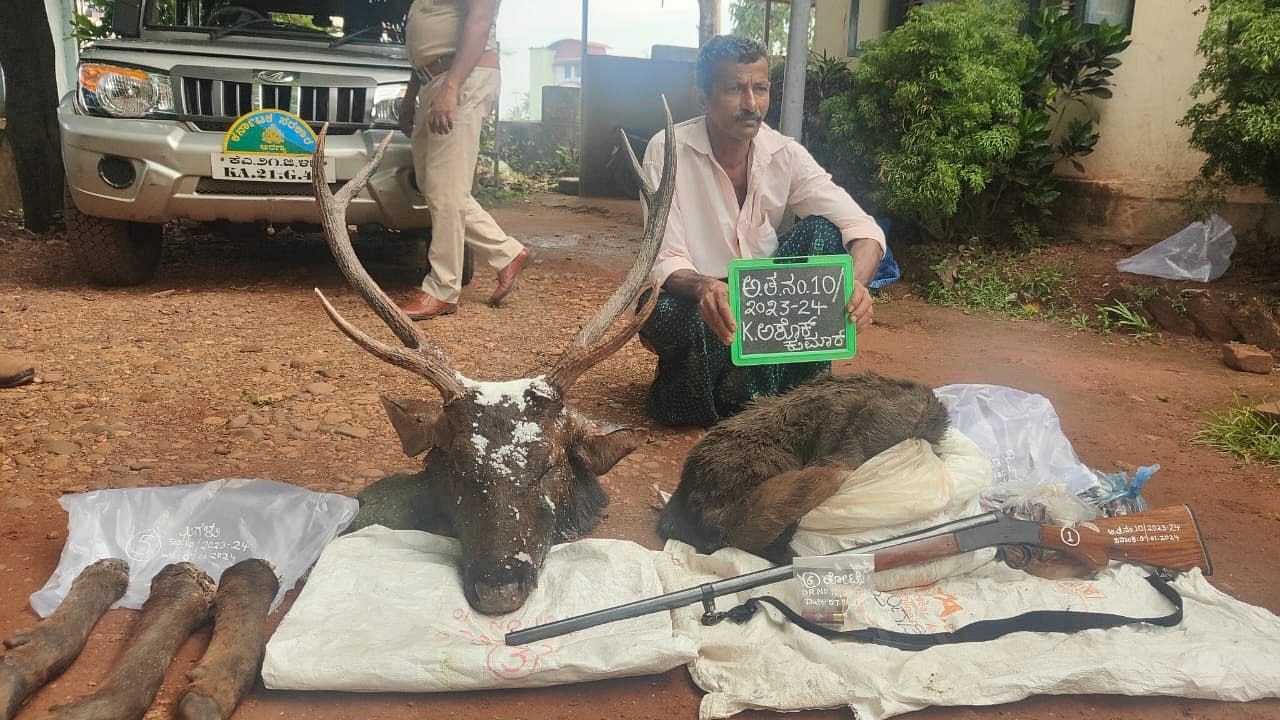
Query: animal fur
[751, 478]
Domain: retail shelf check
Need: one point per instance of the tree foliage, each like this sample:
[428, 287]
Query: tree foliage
[951, 118]
[746, 19]
[1236, 121]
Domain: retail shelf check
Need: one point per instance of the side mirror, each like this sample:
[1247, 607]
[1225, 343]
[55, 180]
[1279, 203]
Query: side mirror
[126, 18]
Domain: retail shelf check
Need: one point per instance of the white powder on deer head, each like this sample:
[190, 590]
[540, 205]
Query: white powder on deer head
[525, 433]
[507, 455]
[510, 391]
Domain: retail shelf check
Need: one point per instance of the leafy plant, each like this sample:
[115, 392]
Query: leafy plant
[85, 29]
[956, 117]
[1119, 315]
[999, 282]
[1243, 432]
[1236, 122]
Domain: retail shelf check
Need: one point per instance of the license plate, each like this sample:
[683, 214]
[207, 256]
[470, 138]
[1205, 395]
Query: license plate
[266, 168]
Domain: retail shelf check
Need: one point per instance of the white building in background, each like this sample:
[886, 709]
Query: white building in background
[559, 63]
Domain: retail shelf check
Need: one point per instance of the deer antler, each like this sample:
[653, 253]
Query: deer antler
[590, 346]
[419, 355]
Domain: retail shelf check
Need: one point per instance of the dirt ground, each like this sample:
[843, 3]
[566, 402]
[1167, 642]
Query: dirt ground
[225, 366]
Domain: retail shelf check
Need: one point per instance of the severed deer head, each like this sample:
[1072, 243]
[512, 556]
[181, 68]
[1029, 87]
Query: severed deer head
[510, 469]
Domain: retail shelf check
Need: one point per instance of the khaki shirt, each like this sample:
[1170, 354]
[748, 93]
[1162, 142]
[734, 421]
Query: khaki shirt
[434, 28]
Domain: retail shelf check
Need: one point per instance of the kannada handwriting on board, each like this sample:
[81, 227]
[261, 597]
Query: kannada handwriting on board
[791, 309]
[787, 284]
[793, 336]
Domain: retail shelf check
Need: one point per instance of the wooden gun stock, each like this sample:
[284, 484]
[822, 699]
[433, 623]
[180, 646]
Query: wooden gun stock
[1165, 538]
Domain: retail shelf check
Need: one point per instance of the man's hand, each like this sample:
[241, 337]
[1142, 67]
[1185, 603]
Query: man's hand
[443, 106]
[713, 305]
[409, 104]
[861, 308]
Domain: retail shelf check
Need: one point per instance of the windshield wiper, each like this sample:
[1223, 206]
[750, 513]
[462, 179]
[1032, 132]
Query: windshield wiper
[216, 34]
[352, 36]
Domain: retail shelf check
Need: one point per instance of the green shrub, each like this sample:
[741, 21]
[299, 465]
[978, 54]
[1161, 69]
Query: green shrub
[950, 117]
[1237, 123]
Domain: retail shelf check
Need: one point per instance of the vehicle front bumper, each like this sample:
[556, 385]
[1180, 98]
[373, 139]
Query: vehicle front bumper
[172, 166]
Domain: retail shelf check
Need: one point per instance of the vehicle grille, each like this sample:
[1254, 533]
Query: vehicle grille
[212, 186]
[213, 98]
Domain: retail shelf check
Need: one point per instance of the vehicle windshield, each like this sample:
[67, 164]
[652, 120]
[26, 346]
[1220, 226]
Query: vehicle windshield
[336, 22]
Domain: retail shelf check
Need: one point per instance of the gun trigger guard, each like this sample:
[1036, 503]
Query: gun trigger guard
[1022, 552]
[710, 616]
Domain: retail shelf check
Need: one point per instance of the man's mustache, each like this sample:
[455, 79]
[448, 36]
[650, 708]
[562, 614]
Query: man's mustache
[749, 117]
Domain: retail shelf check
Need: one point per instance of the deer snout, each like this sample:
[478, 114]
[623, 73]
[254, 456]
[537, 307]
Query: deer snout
[502, 591]
[500, 599]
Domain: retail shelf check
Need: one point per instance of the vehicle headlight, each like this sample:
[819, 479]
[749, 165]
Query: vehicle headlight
[124, 92]
[386, 103]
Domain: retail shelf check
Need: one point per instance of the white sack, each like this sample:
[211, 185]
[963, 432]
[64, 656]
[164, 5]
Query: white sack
[1223, 650]
[908, 487]
[212, 525]
[1019, 432]
[383, 610]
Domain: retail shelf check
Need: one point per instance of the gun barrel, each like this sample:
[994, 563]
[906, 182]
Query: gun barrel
[689, 596]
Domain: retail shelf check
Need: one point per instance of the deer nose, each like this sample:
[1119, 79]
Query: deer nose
[500, 599]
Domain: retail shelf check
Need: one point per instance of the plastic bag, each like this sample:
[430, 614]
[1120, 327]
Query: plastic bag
[1118, 495]
[212, 525]
[1200, 251]
[1044, 502]
[1020, 432]
[888, 272]
[908, 487]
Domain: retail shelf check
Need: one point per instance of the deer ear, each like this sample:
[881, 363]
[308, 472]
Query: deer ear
[600, 451]
[417, 422]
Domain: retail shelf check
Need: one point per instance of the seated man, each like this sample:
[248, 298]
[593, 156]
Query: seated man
[735, 178]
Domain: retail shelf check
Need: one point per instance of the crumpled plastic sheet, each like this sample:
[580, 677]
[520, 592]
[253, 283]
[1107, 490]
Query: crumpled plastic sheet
[212, 525]
[1201, 251]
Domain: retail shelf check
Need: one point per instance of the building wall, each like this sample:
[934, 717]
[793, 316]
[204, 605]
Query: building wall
[831, 27]
[626, 92]
[541, 74]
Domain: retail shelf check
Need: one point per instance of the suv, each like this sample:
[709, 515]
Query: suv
[207, 110]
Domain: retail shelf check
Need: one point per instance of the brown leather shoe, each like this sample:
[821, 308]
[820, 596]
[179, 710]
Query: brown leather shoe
[15, 371]
[507, 277]
[422, 306]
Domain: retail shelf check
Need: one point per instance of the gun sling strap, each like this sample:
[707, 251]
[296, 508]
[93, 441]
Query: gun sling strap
[1050, 621]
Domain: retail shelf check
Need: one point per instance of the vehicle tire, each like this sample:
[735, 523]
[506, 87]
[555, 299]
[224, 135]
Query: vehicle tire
[468, 255]
[625, 179]
[468, 265]
[112, 252]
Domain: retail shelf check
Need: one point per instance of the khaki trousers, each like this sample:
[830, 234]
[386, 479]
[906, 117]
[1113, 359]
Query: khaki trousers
[446, 166]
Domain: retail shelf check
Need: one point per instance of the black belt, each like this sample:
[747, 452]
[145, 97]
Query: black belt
[1046, 621]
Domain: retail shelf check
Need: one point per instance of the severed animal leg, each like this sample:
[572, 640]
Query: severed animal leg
[181, 597]
[38, 655]
[770, 512]
[231, 663]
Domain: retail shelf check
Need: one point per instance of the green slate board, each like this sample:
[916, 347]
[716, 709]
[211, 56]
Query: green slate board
[791, 309]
